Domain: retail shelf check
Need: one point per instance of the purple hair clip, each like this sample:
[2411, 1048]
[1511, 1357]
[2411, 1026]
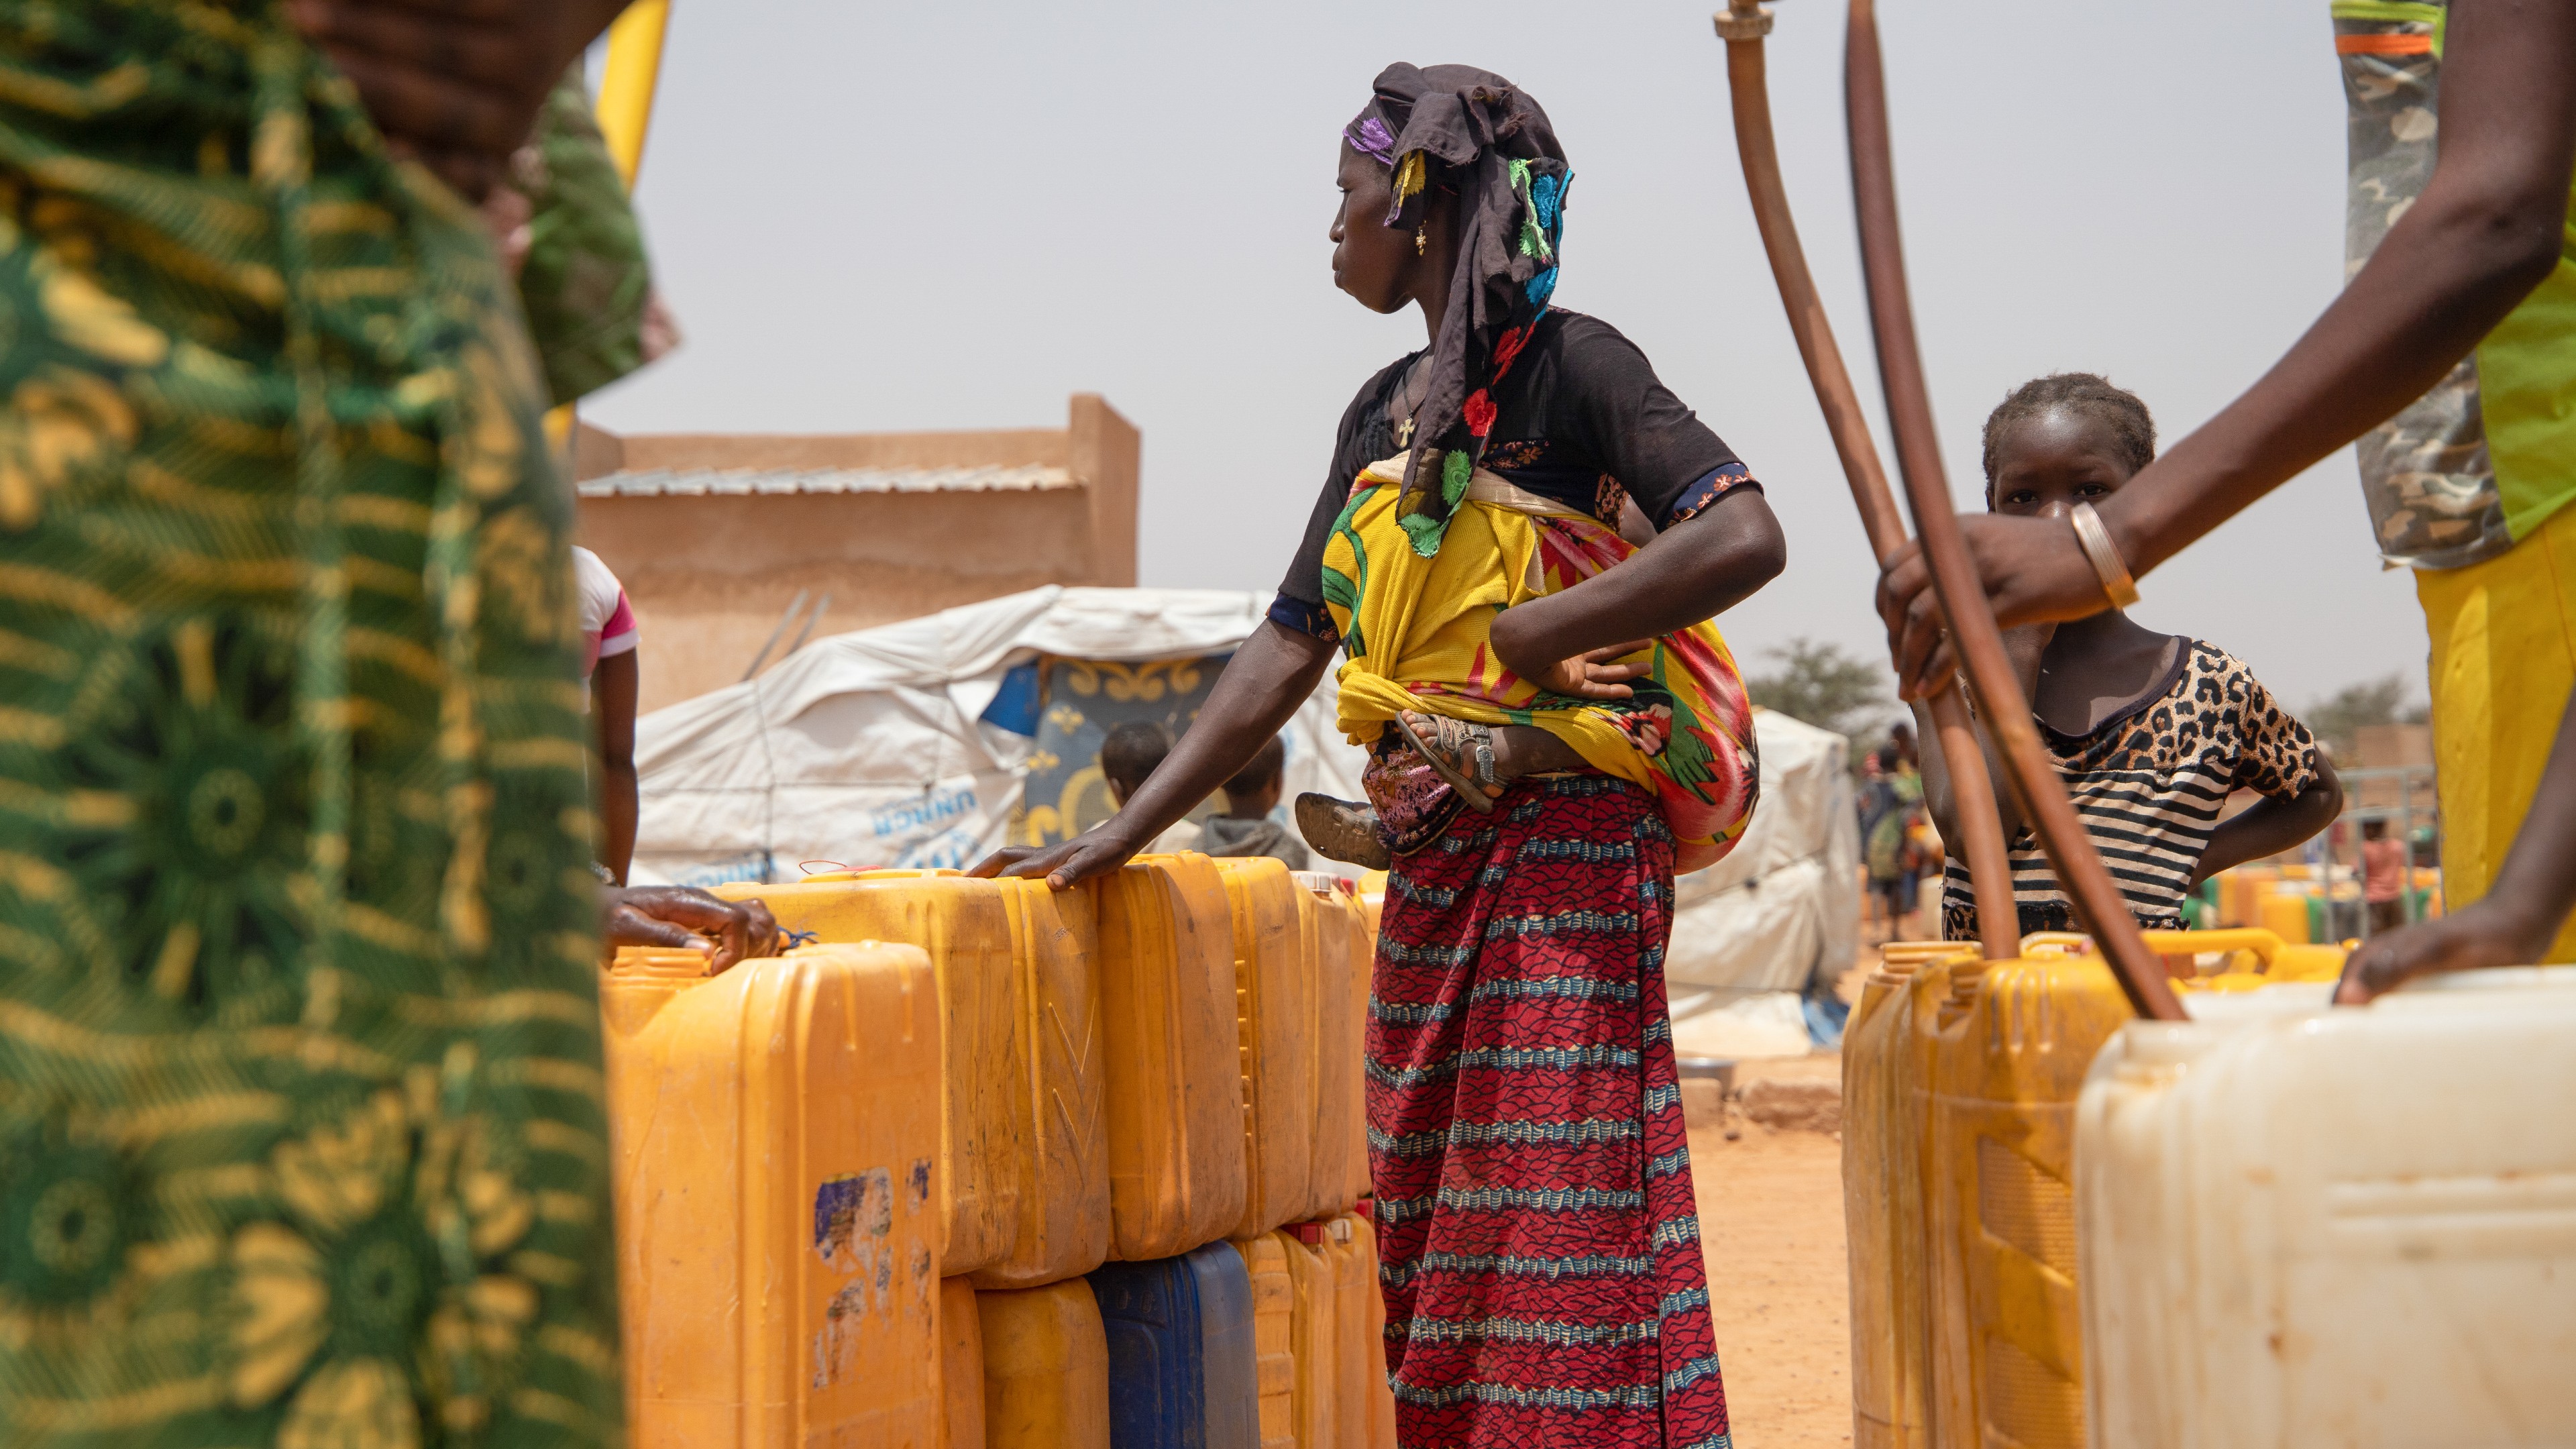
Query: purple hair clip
[1371, 136]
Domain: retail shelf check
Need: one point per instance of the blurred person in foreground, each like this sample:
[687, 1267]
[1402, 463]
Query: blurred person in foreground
[2453, 348]
[301, 1136]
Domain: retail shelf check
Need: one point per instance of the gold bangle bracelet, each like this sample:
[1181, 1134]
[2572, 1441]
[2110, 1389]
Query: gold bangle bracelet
[2095, 540]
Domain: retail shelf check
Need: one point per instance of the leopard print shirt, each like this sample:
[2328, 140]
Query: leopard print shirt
[2148, 784]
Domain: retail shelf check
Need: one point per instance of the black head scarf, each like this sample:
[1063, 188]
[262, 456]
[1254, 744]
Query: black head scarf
[1474, 132]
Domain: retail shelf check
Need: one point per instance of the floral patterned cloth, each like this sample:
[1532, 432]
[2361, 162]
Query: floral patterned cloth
[1416, 631]
[301, 1131]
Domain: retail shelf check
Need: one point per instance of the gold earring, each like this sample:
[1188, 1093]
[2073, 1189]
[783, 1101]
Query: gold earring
[1422, 239]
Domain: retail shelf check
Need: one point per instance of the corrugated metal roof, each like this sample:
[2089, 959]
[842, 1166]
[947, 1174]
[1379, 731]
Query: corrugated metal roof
[744, 482]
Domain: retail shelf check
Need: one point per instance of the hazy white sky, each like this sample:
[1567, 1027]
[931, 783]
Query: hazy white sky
[881, 217]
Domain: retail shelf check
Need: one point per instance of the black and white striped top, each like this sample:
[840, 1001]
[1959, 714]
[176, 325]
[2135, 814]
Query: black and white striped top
[2148, 784]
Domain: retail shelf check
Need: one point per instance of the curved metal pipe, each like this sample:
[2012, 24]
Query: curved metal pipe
[2097, 899]
[1980, 828]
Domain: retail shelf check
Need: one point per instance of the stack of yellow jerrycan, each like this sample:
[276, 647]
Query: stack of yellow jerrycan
[1026, 1185]
[1319, 1335]
[1274, 1312]
[1883, 1196]
[2347, 1226]
[1046, 1368]
[1175, 1094]
[1334, 931]
[774, 1137]
[961, 1365]
[1275, 991]
[1960, 1082]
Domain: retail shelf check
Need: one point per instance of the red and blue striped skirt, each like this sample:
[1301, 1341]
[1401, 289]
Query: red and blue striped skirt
[1538, 1242]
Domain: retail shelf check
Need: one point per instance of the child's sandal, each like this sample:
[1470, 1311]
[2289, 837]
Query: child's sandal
[1459, 751]
[1342, 830]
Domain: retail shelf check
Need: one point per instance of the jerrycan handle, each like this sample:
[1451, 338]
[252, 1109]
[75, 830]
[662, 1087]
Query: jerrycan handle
[2073, 943]
[660, 962]
[2266, 945]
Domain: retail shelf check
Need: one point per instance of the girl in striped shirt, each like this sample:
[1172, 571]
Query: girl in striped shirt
[2151, 732]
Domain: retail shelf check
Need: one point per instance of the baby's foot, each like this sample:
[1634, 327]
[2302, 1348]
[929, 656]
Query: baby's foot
[1458, 751]
[1341, 830]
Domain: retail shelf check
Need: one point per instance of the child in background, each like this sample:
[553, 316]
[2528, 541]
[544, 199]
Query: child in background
[611, 676]
[1130, 752]
[1246, 827]
[2150, 732]
[2383, 876]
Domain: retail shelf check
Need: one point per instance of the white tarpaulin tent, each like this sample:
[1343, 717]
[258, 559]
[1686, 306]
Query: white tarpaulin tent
[868, 749]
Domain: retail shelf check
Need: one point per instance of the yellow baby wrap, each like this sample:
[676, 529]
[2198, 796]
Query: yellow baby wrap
[1417, 633]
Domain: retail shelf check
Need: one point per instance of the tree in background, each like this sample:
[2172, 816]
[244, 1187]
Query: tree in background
[1820, 684]
[2337, 719]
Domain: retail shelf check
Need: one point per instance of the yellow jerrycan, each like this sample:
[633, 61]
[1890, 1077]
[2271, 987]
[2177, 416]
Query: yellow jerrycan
[2008, 1047]
[1026, 1163]
[1175, 1073]
[775, 1135]
[1046, 1368]
[2255, 958]
[1334, 1044]
[1274, 1312]
[961, 1364]
[1274, 994]
[1363, 1403]
[1314, 1336]
[1883, 1107]
[1370, 891]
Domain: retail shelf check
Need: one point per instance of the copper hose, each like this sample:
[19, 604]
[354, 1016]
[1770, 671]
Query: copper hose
[1980, 827]
[1980, 645]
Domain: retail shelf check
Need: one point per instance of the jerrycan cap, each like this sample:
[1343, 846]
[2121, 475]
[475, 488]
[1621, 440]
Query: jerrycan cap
[1341, 1228]
[1322, 882]
[665, 963]
[1311, 1234]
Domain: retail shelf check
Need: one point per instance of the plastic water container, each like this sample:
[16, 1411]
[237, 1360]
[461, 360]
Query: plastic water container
[1274, 1354]
[1314, 1337]
[1274, 993]
[2009, 1046]
[1364, 1404]
[1175, 1075]
[2284, 913]
[961, 1364]
[1335, 1044]
[1884, 1102]
[1370, 891]
[775, 1132]
[1181, 1370]
[1022, 1122]
[2353, 1227]
[1046, 1368]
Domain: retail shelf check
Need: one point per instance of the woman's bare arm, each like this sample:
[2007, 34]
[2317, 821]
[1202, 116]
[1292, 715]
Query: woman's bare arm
[1692, 572]
[2488, 228]
[1256, 696]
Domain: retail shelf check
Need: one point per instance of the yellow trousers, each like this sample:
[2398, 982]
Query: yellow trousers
[2504, 661]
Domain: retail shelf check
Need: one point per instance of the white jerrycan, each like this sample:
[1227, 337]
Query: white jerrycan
[2352, 1227]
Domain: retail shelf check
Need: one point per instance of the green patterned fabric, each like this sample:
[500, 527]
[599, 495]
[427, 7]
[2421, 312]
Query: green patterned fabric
[302, 1139]
[586, 280]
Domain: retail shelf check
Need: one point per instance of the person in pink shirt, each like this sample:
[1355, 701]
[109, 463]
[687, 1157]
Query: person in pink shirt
[610, 669]
[2383, 876]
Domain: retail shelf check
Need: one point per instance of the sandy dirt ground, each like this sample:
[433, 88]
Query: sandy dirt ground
[1771, 1218]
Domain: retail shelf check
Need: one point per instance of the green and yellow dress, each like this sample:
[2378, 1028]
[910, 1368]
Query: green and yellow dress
[301, 1133]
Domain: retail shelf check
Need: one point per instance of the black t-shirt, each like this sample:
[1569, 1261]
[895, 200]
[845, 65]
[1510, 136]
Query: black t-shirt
[1581, 420]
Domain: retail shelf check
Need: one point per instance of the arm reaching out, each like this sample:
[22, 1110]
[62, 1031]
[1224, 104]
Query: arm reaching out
[1258, 694]
[2488, 228]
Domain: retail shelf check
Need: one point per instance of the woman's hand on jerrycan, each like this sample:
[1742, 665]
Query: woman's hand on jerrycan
[687, 919]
